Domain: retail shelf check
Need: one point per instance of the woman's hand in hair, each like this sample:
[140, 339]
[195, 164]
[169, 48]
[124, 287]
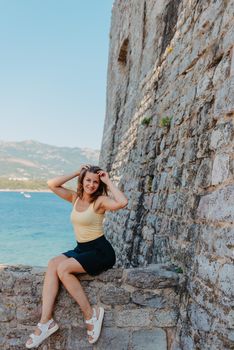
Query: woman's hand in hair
[83, 167]
[104, 176]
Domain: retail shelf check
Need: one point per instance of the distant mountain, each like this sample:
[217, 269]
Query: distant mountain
[32, 160]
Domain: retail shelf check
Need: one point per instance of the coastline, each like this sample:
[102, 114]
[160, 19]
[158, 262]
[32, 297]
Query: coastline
[24, 190]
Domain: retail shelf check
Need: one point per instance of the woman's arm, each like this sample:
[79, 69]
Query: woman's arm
[56, 185]
[119, 201]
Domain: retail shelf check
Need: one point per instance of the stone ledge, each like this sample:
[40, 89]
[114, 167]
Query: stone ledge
[138, 302]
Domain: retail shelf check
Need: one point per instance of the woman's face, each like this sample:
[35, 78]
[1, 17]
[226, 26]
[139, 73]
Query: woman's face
[91, 182]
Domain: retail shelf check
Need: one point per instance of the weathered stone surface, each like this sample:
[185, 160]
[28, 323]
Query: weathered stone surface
[154, 276]
[110, 275]
[113, 295]
[224, 102]
[226, 280]
[133, 318]
[21, 310]
[222, 71]
[207, 270]
[6, 280]
[76, 342]
[200, 319]
[161, 249]
[7, 310]
[149, 299]
[164, 318]
[178, 167]
[114, 338]
[220, 170]
[203, 178]
[218, 241]
[221, 135]
[149, 340]
[217, 206]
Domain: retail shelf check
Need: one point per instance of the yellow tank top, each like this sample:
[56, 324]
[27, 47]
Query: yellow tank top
[87, 224]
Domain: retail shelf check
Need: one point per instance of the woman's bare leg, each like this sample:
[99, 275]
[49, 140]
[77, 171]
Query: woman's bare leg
[50, 288]
[72, 284]
[50, 291]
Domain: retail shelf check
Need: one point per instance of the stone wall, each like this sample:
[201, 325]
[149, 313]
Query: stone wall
[168, 143]
[141, 308]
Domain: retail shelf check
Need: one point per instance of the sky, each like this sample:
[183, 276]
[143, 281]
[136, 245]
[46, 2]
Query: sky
[53, 71]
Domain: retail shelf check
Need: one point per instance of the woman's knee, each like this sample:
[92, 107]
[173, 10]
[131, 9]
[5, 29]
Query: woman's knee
[61, 270]
[54, 262]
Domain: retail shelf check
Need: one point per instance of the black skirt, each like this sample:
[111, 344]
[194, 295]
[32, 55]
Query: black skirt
[95, 256]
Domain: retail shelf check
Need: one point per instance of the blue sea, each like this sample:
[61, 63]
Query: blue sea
[35, 229]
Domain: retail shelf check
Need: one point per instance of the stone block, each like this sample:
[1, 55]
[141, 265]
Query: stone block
[203, 178]
[163, 181]
[221, 71]
[149, 339]
[150, 220]
[221, 136]
[203, 144]
[207, 18]
[190, 151]
[77, 338]
[166, 318]
[113, 338]
[232, 62]
[224, 245]
[199, 317]
[148, 233]
[217, 206]
[23, 281]
[230, 319]
[133, 318]
[220, 171]
[180, 149]
[207, 269]
[203, 294]
[231, 335]
[228, 37]
[27, 312]
[186, 343]
[111, 275]
[7, 281]
[204, 85]
[228, 15]
[170, 162]
[161, 250]
[112, 295]
[224, 100]
[149, 299]
[171, 202]
[226, 279]
[15, 339]
[152, 276]
[7, 311]
[129, 233]
[218, 241]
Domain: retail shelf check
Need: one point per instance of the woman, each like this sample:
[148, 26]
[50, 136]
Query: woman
[93, 253]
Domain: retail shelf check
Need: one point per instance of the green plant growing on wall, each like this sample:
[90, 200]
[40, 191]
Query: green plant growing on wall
[179, 270]
[146, 121]
[165, 122]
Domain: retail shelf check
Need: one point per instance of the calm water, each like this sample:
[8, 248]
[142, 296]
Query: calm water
[33, 230]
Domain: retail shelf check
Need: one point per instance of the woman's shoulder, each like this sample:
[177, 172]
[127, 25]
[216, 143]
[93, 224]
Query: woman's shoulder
[100, 199]
[74, 197]
[98, 204]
